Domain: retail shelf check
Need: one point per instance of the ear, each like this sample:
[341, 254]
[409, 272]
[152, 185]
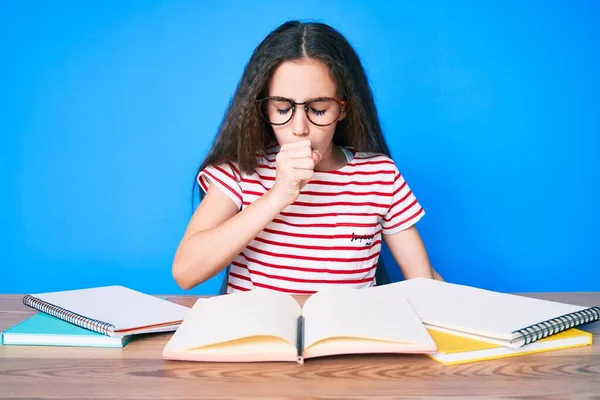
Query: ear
[344, 113]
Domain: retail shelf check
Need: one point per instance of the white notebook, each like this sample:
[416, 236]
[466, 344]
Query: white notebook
[111, 310]
[500, 318]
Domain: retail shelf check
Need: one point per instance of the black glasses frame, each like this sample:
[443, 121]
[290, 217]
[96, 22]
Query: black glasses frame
[259, 105]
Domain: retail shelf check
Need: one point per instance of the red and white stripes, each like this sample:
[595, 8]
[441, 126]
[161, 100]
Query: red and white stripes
[330, 236]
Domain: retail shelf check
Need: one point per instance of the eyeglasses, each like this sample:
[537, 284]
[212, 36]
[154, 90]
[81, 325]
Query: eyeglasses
[322, 111]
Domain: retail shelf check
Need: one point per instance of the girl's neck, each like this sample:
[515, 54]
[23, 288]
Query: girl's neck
[333, 160]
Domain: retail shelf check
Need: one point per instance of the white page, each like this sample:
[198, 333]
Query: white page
[238, 315]
[123, 307]
[369, 313]
[473, 310]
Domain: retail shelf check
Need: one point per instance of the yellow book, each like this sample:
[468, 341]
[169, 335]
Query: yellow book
[453, 349]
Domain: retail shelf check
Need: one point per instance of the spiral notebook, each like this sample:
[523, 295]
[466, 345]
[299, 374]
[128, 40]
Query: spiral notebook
[110, 310]
[494, 317]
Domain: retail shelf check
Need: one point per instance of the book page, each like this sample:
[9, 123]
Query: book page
[230, 317]
[362, 313]
[477, 311]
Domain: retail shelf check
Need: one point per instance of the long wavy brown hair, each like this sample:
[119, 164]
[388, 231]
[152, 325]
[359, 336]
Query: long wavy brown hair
[243, 134]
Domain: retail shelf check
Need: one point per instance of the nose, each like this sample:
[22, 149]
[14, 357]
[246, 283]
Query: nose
[300, 122]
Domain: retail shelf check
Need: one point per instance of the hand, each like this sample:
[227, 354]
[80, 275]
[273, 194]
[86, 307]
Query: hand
[295, 167]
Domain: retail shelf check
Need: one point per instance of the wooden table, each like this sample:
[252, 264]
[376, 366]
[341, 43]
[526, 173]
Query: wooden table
[138, 372]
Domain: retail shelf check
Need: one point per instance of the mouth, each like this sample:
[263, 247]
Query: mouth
[312, 146]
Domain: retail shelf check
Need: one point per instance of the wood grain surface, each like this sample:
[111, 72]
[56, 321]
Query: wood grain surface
[137, 371]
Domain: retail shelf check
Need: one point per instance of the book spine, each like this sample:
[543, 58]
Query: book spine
[546, 328]
[300, 340]
[69, 316]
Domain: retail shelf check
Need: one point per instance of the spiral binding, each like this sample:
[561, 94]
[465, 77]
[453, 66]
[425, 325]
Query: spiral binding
[69, 316]
[555, 325]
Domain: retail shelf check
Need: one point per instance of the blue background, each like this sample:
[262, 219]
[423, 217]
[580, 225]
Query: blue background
[107, 108]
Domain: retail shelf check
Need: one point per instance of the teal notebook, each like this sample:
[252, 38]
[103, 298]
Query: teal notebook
[45, 330]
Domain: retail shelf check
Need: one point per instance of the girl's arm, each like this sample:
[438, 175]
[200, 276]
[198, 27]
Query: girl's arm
[218, 231]
[409, 252]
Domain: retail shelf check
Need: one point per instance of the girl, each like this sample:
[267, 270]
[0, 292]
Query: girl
[299, 185]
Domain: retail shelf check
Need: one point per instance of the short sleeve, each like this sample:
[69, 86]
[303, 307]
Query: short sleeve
[226, 177]
[404, 209]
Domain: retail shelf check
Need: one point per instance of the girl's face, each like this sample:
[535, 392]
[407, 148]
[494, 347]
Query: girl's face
[300, 81]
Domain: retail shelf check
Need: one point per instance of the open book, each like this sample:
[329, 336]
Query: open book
[263, 325]
[494, 317]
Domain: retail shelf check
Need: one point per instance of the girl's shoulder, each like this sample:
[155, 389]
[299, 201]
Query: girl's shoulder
[369, 160]
[264, 158]
[267, 155]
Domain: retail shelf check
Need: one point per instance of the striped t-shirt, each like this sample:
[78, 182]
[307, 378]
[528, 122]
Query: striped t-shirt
[331, 235]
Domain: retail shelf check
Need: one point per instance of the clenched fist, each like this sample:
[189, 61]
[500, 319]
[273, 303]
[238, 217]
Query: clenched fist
[295, 167]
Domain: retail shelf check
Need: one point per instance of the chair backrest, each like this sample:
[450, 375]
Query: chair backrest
[381, 274]
[225, 281]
